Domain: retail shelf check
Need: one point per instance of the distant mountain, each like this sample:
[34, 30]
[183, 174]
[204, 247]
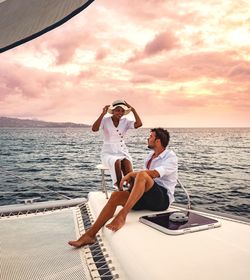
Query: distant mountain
[15, 122]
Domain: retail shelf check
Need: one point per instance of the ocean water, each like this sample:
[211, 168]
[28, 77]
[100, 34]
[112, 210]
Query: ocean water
[54, 163]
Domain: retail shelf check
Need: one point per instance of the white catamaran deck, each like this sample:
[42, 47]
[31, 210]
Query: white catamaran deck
[145, 253]
[35, 246]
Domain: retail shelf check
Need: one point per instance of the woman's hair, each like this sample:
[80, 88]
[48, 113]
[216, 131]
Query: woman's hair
[162, 134]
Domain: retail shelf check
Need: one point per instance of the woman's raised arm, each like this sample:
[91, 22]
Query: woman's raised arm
[96, 124]
[138, 122]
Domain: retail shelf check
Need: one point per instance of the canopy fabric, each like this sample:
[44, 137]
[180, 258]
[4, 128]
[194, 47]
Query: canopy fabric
[22, 21]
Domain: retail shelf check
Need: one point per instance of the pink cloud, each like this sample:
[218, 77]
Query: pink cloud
[231, 93]
[27, 82]
[64, 48]
[101, 54]
[164, 41]
[240, 72]
[193, 66]
[149, 12]
[141, 80]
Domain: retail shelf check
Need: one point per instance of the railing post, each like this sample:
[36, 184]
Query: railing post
[188, 197]
[103, 168]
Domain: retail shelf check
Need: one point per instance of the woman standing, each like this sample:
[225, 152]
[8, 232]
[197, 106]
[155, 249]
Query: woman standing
[114, 151]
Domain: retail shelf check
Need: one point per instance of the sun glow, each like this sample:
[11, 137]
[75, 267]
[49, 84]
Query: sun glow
[239, 36]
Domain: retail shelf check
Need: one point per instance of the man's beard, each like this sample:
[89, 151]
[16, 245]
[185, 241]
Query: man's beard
[150, 147]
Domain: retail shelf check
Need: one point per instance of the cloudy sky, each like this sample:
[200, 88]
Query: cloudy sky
[179, 63]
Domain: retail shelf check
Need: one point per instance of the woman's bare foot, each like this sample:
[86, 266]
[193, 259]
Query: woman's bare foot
[117, 186]
[85, 239]
[117, 222]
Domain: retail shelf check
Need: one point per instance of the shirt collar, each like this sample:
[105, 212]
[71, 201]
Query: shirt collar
[161, 155]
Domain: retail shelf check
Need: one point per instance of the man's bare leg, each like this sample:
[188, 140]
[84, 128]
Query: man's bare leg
[143, 183]
[89, 237]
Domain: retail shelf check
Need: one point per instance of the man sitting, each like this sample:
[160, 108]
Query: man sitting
[153, 188]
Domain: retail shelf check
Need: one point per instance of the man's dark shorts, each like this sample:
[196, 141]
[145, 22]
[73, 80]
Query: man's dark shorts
[156, 199]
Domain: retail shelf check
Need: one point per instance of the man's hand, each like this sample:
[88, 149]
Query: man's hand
[128, 179]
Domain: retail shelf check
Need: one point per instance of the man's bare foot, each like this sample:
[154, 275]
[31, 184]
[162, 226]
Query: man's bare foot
[117, 222]
[85, 239]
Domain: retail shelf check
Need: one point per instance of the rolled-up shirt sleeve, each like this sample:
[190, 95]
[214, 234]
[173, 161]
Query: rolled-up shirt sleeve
[168, 167]
[102, 123]
[130, 124]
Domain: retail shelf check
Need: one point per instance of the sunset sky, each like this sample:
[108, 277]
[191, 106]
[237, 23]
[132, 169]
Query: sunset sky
[179, 63]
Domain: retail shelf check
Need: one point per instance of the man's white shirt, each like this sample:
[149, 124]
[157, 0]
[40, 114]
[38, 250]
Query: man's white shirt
[166, 164]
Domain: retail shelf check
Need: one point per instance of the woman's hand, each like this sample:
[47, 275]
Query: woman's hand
[97, 123]
[138, 121]
[105, 109]
[129, 106]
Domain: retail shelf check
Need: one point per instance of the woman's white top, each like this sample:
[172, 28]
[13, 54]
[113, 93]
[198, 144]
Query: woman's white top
[114, 146]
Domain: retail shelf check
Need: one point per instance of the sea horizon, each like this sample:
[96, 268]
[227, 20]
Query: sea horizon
[48, 163]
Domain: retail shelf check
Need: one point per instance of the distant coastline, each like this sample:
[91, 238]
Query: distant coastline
[15, 122]
[28, 123]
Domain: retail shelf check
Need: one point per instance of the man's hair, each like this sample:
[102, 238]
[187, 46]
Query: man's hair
[162, 134]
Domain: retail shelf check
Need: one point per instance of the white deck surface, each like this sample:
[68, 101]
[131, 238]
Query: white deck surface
[145, 253]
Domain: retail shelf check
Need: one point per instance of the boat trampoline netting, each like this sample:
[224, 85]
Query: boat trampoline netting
[43, 252]
[34, 246]
[22, 21]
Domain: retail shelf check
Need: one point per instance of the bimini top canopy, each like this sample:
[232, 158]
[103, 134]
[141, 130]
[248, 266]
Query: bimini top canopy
[22, 21]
